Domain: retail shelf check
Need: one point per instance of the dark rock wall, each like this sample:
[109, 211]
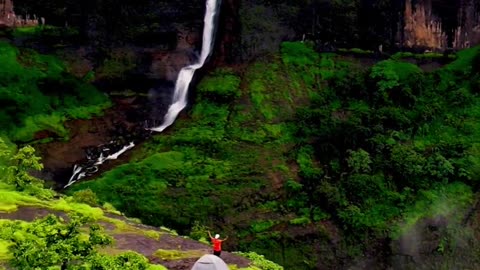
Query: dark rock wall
[437, 25]
[394, 24]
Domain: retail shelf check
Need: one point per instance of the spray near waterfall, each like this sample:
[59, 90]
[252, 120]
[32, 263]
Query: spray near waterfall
[179, 99]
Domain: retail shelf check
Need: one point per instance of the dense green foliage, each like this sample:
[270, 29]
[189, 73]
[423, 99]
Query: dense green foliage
[36, 93]
[15, 169]
[52, 242]
[311, 137]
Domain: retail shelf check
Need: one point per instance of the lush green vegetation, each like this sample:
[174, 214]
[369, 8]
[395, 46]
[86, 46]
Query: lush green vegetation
[307, 137]
[36, 93]
[74, 235]
[52, 242]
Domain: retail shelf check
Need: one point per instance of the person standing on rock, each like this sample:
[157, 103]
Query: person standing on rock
[217, 243]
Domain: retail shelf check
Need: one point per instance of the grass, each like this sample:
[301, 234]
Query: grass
[221, 86]
[356, 51]
[12, 199]
[171, 255]
[156, 267]
[422, 56]
[46, 31]
[122, 227]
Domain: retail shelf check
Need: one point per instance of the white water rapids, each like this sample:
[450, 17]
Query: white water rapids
[185, 76]
[179, 100]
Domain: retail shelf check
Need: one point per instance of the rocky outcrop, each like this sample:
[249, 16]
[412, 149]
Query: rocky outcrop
[422, 28]
[8, 18]
[425, 28]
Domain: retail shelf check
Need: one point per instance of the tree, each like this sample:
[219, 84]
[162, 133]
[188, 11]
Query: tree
[359, 161]
[52, 242]
[18, 165]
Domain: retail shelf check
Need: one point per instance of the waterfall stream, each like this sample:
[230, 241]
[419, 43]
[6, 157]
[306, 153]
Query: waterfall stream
[179, 100]
[185, 76]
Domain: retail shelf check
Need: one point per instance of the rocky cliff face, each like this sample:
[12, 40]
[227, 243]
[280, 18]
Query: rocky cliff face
[429, 24]
[394, 24]
[254, 27]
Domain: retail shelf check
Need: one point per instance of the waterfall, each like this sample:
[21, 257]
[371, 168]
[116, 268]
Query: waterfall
[185, 76]
[179, 101]
[80, 172]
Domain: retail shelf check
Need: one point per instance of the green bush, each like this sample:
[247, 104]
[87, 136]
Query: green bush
[222, 86]
[396, 82]
[299, 54]
[86, 196]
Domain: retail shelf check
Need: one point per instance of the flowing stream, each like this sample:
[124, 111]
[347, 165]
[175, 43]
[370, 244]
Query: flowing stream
[179, 100]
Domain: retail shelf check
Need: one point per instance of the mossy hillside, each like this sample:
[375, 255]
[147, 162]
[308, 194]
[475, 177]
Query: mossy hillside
[13, 200]
[213, 157]
[16, 200]
[38, 94]
[219, 162]
[309, 141]
[168, 255]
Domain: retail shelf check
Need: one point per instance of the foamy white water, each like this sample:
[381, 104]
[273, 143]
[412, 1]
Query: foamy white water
[185, 76]
[78, 172]
[102, 159]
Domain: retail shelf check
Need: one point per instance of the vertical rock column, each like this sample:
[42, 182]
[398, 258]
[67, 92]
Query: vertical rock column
[451, 26]
[422, 29]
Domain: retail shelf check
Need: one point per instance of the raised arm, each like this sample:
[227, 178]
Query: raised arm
[209, 234]
[225, 238]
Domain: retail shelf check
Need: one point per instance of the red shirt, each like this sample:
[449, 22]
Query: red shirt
[217, 244]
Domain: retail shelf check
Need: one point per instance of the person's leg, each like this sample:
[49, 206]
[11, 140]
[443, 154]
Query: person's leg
[217, 253]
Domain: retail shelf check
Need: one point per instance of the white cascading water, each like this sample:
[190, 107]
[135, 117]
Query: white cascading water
[79, 173]
[182, 84]
[185, 75]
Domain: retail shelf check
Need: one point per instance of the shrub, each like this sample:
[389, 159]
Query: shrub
[260, 261]
[222, 86]
[199, 232]
[298, 54]
[86, 196]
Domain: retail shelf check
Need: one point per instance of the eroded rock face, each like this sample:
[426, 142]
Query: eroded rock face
[452, 25]
[422, 28]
